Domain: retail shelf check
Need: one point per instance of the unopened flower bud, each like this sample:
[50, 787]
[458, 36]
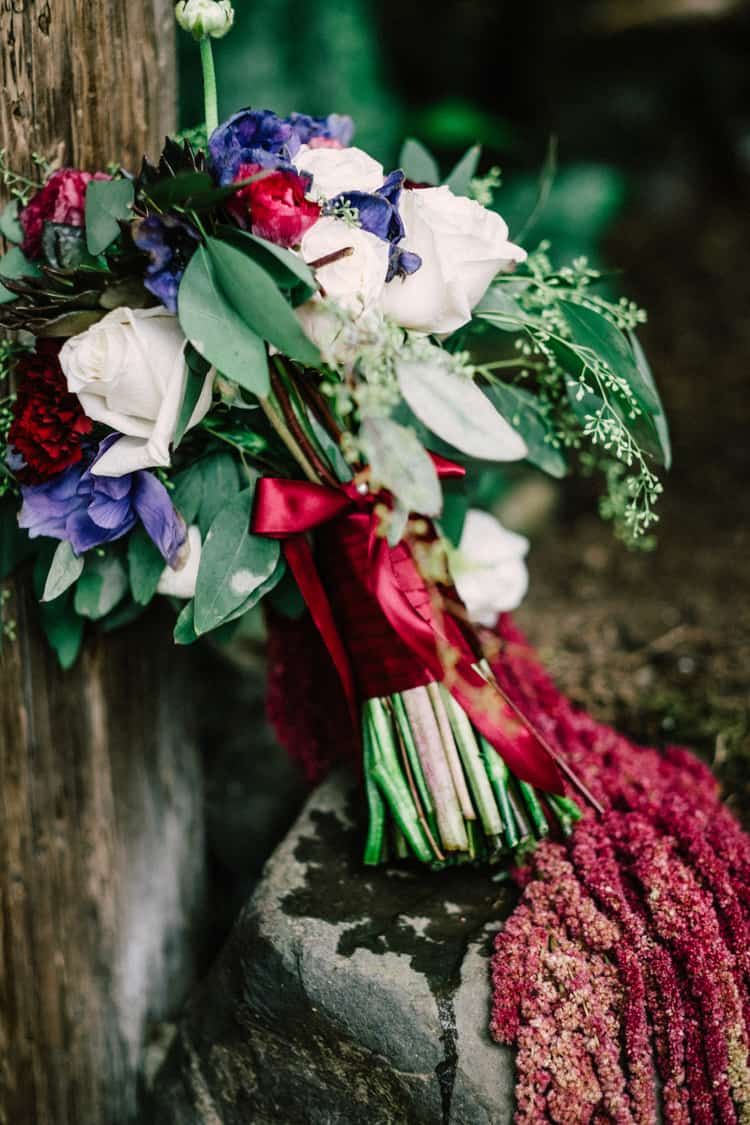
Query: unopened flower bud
[205, 17]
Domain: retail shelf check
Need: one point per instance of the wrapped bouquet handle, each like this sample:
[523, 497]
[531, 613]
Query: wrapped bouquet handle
[288, 510]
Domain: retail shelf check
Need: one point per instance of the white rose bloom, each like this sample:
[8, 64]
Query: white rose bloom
[356, 281]
[339, 335]
[488, 568]
[129, 373]
[337, 170]
[179, 582]
[462, 246]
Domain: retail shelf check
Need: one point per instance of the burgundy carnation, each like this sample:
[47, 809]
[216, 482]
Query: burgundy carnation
[61, 200]
[48, 422]
[274, 207]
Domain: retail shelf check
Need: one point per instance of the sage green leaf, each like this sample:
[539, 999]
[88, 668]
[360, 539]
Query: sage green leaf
[455, 409]
[184, 630]
[108, 202]
[255, 297]
[125, 614]
[178, 189]
[400, 463]
[220, 486]
[15, 264]
[216, 331]
[234, 563]
[145, 565]
[500, 307]
[592, 330]
[287, 269]
[460, 178]
[660, 420]
[196, 371]
[418, 163]
[63, 628]
[65, 569]
[523, 412]
[10, 224]
[101, 587]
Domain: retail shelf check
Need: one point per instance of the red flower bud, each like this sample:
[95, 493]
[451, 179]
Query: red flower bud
[61, 200]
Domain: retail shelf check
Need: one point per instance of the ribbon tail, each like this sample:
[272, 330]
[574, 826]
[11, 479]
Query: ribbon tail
[299, 556]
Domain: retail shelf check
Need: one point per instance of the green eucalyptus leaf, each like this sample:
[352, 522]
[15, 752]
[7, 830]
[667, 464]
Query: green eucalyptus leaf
[418, 163]
[178, 189]
[145, 565]
[15, 264]
[454, 408]
[125, 614]
[101, 587]
[108, 202]
[254, 295]
[63, 628]
[217, 331]
[221, 484]
[234, 563]
[65, 569]
[184, 630]
[195, 378]
[660, 420]
[523, 412]
[287, 269]
[10, 224]
[401, 464]
[592, 330]
[459, 180]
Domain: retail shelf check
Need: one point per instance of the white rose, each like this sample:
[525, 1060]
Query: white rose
[488, 568]
[337, 170]
[462, 246]
[179, 582]
[357, 280]
[339, 335]
[129, 373]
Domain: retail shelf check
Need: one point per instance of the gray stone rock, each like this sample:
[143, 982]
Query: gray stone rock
[346, 994]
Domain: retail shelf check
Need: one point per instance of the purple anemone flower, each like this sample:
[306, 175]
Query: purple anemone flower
[170, 243]
[378, 213]
[251, 136]
[335, 127]
[88, 510]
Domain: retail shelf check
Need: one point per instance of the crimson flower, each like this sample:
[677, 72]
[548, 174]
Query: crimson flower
[61, 200]
[48, 421]
[274, 207]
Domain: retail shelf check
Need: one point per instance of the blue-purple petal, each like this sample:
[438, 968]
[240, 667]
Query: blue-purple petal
[157, 513]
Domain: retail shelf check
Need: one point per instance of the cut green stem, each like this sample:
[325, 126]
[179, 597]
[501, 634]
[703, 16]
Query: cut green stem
[436, 772]
[473, 764]
[451, 754]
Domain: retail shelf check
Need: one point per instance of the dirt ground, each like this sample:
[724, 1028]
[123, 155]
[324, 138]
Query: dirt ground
[659, 643]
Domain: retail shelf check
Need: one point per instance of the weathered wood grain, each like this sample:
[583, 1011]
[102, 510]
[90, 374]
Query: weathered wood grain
[101, 845]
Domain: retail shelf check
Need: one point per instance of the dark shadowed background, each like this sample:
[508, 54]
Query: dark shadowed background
[650, 102]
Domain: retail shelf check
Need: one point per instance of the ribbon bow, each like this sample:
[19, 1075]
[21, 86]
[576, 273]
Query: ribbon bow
[289, 509]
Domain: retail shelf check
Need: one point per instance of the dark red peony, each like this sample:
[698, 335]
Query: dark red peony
[61, 200]
[274, 207]
[48, 422]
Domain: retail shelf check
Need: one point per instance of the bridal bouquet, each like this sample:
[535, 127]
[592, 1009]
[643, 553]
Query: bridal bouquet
[268, 368]
[262, 368]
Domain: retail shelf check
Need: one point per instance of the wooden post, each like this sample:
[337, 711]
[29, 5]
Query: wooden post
[101, 847]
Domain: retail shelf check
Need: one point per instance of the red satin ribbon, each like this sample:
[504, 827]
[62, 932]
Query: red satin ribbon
[289, 509]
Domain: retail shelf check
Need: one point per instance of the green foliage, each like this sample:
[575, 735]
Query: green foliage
[63, 627]
[65, 569]
[217, 331]
[255, 297]
[288, 270]
[145, 565]
[15, 545]
[418, 163]
[234, 566]
[589, 380]
[527, 415]
[108, 202]
[14, 264]
[454, 408]
[10, 225]
[400, 463]
[103, 584]
[460, 179]
[197, 370]
[205, 487]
